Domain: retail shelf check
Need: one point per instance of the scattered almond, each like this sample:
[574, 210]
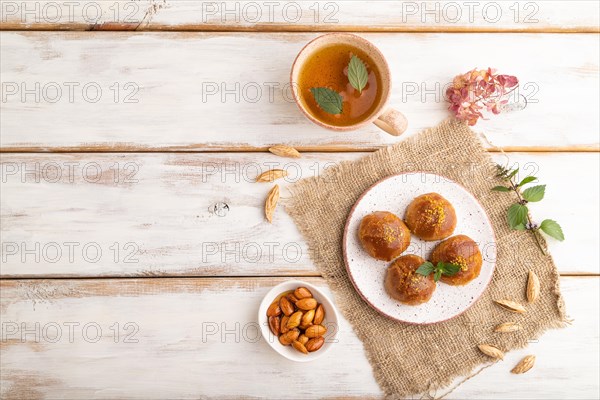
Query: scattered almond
[511, 306]
[491, 351]
[508, 327]
[282, 150]
[524, 365]
[271, 203]
[533, 287]
[271, 175]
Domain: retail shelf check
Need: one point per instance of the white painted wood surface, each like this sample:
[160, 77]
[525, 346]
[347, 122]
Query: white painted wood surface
[153, 214]
[156, 206]
[522, 15]
[198, 338]
[179, 81]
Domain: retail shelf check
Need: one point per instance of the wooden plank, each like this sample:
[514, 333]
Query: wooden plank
[90, 215]
[406, 16]
[178, 91]
[191, 338]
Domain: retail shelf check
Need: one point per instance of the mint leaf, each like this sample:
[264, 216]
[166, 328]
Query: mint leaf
[449, 269]
[425, 269]
[517, 215]
[512, 174]
[520, 227]
[535, 193]
[500, 189]
[329, 100]
[553, 229]
[357, 74]
[442, 268]
[527, 180]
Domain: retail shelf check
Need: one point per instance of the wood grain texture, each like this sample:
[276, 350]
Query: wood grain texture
[94, 215]
[405, 16]
[192, 338]
[218, 91]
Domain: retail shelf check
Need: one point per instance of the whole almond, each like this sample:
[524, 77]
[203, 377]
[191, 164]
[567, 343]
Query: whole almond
[287, 338]
[282, 150]
[283, 325]
[271, 175]
[491, 351]
[294, 320]
[508, 327]
[314, 331]
[319, 315]
[511, 306]
[533, 287]
[307, 318]
[292, 298]
[303, 339]
[286, 307]
[271, 203]
[306, 304]
[315, 344]
[302, 293]
[299, 346]
[524, 365]
[274, 324]
[274, 310]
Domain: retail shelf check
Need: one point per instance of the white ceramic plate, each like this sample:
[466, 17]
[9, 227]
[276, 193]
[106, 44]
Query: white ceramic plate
[330, 321]
[394, 194]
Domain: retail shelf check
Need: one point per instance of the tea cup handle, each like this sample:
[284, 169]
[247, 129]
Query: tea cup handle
[392, 121]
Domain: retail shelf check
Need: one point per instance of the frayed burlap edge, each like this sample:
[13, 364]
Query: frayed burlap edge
[409, 359]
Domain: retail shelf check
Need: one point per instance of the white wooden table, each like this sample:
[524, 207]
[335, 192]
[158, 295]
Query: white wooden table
[124, 275]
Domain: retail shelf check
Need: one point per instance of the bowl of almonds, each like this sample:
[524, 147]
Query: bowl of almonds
[298, 321]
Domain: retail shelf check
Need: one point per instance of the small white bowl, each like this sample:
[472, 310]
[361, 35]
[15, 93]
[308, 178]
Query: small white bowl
[330, 322]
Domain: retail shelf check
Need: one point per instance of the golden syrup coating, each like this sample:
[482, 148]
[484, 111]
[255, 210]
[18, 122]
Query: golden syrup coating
[383, 235]
[463, 251]
[431, 217]
[405, 285]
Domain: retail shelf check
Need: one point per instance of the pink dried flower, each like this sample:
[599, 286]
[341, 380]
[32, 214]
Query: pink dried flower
[476, 90]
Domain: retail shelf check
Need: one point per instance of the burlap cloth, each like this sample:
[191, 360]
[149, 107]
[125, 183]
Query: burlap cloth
[411, 359]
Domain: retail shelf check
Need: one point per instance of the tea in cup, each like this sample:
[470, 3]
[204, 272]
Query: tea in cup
[342, 82]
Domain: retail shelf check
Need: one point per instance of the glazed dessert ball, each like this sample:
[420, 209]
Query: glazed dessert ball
[383, 235]
[431, 217]
[460, 250]
[405, 285]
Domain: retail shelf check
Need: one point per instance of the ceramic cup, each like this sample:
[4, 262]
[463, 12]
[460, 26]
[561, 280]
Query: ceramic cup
[388, 119]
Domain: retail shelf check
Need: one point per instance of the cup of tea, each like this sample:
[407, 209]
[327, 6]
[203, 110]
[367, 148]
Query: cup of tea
[342, 82]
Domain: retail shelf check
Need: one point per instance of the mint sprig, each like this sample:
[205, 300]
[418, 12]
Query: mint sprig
[329, 100]
[442, 268]
[518, 213]
[357, 73]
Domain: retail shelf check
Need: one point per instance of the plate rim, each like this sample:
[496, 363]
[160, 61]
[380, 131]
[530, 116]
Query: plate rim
[345, 252]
